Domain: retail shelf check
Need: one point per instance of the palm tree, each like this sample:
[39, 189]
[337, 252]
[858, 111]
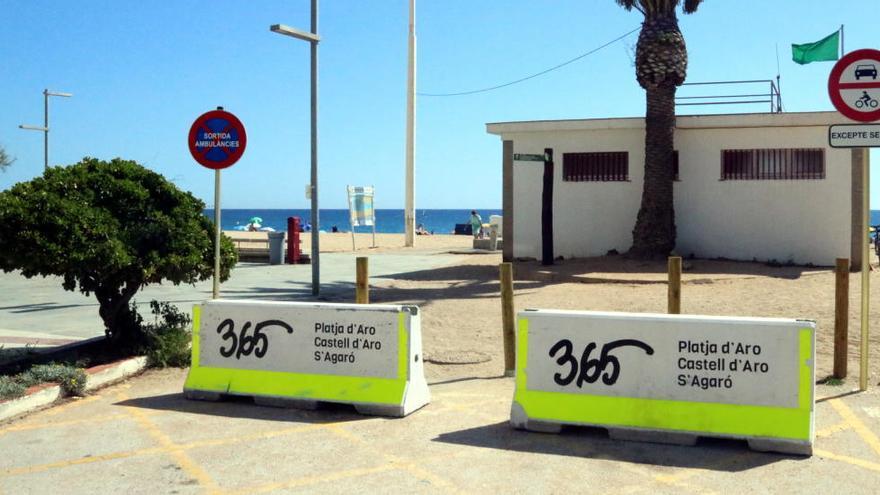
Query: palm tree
[661, 66]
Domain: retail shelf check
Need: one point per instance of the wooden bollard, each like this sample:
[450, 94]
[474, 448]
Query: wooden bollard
[841, 317]
[507, 318]
[362, 286]
[673, 305]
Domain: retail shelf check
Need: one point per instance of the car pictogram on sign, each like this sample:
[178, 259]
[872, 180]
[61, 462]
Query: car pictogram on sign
[866, 70]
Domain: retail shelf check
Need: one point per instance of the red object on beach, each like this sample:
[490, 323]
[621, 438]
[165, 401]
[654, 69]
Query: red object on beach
[294, 252]
[854, 85]
[217, 139]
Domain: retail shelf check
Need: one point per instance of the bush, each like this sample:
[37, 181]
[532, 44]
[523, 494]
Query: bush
[109, 228]
[168, 337]
[10, 388]
[71, 379]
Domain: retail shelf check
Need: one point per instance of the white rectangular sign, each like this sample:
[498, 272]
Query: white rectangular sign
[854, 136]
[747, 361]
[343, 340]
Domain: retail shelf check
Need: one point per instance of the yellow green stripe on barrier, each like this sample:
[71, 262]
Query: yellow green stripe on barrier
[724, 419]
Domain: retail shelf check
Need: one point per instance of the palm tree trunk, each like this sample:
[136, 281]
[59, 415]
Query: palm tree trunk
[654, 233]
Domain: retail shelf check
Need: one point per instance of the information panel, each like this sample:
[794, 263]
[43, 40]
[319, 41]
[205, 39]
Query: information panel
[739, 377]
[367, 355]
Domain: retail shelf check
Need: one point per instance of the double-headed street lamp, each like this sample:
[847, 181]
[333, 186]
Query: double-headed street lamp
[45, 127]
[313, 40]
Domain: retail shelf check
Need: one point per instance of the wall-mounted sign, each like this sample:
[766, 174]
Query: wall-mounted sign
[748, 378]
[366, 355]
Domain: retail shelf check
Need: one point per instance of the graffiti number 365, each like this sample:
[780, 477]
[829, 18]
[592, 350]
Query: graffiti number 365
[588, 370]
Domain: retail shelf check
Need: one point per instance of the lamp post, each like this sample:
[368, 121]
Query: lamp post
[313, 39]
[45, 126]
[409, 214]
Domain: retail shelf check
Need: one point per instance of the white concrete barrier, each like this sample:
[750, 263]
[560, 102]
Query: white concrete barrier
[300, 354]
[668, 378]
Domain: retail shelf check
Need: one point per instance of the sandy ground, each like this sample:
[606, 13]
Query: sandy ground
[341, 242]
[461, 304]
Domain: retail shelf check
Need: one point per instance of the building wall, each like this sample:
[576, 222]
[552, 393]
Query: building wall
[804, 221]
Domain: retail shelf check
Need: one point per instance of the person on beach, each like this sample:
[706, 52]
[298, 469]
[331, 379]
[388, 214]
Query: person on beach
[420, 230]
[476, 224]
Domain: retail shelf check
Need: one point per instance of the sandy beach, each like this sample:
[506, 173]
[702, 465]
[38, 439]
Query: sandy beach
[341, 242]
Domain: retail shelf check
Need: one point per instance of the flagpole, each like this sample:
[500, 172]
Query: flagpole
[842, 50]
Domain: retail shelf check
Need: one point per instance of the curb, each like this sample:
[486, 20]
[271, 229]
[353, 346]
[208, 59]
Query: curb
[44, 395]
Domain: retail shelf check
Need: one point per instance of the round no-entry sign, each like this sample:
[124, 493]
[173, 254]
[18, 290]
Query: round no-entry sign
[217, 139]
[854, 85]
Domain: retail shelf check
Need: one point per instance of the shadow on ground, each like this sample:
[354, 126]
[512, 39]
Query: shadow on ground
[475, 281]
[619, 269]
[711, 454]
[244, 408]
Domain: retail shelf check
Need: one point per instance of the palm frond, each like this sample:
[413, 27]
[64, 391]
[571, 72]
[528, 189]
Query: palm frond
[690, 6]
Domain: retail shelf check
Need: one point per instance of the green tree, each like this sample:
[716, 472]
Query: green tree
[5, 160]
[661, 66]
[109, 229]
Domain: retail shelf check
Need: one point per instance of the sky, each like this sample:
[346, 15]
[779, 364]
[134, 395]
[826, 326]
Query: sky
[141, 72]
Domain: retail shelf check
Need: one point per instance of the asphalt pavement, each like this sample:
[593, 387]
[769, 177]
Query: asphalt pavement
[37, 312]
[143, 436]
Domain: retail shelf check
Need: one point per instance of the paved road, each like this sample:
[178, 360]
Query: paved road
[144, 437]
[39, 311]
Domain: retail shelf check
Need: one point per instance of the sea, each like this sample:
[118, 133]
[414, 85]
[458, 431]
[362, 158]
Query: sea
[388, 221]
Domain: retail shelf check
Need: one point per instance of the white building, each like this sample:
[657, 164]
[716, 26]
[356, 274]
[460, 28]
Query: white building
[750, 186]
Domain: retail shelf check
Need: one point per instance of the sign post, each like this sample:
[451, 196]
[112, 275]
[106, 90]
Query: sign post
[854, 89]
[217, 140]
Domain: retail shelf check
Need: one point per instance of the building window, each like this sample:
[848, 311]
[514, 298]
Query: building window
[606, 166]
[773, 164]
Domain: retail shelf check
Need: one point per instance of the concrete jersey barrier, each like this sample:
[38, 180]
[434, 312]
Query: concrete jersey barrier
[304, 353]
[668, 378]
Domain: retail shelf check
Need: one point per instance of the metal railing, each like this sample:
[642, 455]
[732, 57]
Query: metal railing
[773, 97]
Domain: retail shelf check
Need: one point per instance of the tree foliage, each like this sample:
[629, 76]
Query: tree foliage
[108, 229]
[5, 160]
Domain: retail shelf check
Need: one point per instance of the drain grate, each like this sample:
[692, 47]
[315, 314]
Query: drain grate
[457, 357]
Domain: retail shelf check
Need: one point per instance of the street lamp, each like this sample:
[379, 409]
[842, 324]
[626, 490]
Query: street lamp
[312, 38]
[45, 127]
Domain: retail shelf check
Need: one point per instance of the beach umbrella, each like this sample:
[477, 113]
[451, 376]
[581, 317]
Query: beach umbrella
[255, 220]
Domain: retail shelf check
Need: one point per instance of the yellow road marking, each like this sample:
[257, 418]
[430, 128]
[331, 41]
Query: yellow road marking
[830, 430]
[157, 450]
[851, 419]
[75, 402]
[57, 424]
[82, 460]
[407, 464]
[310, 480]
[189, 466]
[873, 466]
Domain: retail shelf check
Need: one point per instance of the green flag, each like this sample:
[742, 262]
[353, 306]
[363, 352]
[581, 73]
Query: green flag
[824, 49]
